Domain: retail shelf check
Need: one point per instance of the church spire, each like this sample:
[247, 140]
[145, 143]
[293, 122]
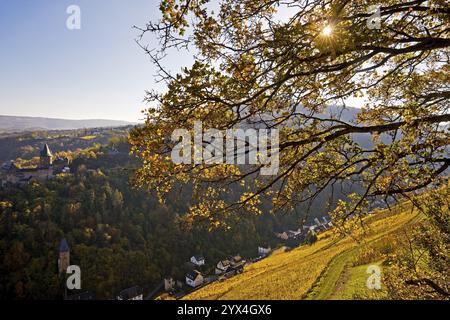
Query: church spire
[46, 157]
[46, 151]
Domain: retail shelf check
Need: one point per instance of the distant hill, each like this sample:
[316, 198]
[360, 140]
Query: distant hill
[14, 123]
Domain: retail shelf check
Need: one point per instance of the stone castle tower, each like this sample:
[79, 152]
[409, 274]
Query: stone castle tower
[64, 256]
[46, 157]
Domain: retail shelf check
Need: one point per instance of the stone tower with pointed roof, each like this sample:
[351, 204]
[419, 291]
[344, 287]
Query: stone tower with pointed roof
[46, 157]
[64, 256]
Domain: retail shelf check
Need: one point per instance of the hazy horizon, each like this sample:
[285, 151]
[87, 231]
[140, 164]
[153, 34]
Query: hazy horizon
[96, 72]
[58, 118]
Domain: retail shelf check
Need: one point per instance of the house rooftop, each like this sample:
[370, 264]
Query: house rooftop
[193, 274]
[236, 258]
[225, 262]
[63, 246]
[130, 293]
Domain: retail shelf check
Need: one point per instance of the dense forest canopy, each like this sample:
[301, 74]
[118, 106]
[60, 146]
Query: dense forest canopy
[119, 236]
[280, 65]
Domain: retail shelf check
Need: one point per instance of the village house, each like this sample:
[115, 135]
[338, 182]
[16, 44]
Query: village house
[264, 251]
[327, 223]
[237, 259]
[320, 228]
[133, 293]
[295, 238]
[194, 279]
[198, 260]
[294, 234]
[231, 264]
[289, 234]
[311, 236]
[282, 235]
[304, 234]
[222, 266]
[169, 284]
[294, 242]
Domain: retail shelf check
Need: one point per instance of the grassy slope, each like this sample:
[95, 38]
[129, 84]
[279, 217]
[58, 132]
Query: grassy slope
[307, 272]
[353, 285]
[342, 280]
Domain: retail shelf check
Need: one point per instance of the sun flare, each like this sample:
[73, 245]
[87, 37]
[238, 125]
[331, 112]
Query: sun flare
[327, 31]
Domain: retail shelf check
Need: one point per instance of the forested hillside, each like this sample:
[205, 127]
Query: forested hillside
[118, 235]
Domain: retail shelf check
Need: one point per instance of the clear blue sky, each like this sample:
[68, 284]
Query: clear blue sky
[96, 72]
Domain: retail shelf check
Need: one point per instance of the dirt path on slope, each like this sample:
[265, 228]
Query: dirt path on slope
[328, 284]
